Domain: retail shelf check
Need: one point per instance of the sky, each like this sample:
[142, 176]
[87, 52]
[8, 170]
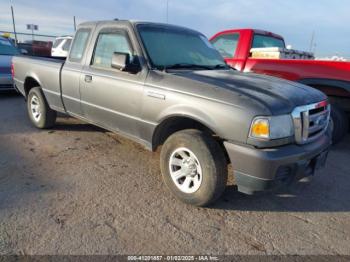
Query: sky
[295, 20]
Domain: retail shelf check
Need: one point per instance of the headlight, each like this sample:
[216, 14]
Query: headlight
[272, 127]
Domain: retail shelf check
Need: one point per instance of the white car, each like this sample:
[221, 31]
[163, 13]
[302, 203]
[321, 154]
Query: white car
[61, 46]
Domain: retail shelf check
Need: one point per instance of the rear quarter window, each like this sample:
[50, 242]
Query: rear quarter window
[262, 41]
[79, 45]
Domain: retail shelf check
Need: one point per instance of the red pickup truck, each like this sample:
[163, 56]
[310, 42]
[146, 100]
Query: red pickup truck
[331, 77]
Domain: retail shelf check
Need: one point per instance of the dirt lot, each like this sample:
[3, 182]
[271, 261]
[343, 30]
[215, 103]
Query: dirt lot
[78, 189]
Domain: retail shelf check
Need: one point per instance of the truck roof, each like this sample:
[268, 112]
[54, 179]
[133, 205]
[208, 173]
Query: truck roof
[135, 22]
[257, 31]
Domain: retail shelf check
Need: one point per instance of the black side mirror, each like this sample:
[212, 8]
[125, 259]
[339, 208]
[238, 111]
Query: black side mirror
[120, 61]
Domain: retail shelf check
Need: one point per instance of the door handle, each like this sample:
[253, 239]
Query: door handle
[88, 78]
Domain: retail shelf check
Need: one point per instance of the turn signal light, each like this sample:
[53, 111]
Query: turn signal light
[260, 128]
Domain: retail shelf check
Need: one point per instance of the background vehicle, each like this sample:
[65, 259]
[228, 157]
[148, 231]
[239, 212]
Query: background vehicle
[331, 77]
[7, 51]
[164, 85]
[37, 48]
[61, 46]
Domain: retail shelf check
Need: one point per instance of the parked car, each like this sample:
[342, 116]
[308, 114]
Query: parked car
[330, 77]
[7, 51]
[37, 48]
[166, 86]
[61, 46]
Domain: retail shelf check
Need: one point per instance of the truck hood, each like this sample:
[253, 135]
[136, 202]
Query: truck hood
[276, 95]
[5, 64]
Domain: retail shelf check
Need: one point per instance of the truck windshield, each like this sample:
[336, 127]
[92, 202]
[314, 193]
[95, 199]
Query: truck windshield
[6, 48]
[176, 48]
[262, 41]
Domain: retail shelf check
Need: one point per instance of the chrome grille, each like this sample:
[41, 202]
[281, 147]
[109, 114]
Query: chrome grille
[311, 121]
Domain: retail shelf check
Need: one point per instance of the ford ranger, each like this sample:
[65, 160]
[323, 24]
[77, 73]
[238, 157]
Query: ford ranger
[330, 77]
[167, 87]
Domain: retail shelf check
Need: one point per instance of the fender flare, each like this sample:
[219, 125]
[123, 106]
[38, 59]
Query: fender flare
[33, 76]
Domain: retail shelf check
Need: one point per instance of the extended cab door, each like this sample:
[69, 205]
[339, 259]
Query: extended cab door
[71, 72]
[109, 97]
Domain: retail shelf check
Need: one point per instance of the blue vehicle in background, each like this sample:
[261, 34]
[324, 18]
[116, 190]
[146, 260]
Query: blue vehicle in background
[7, 51]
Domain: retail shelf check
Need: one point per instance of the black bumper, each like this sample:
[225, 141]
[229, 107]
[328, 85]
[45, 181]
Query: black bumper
[264, 169]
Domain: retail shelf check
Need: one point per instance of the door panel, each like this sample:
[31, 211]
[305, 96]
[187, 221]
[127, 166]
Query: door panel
[71, 72]
[111, 101]
[109, 97]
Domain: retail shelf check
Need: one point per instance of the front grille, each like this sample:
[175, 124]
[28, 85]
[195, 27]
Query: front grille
[311, 121]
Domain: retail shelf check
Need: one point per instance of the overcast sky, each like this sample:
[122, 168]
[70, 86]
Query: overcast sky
[295, 20]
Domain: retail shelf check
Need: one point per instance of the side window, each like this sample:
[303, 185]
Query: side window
[107, 44]
[57, 43]
[67, 44]
[226, 44]
[262, 41]
[79, 44]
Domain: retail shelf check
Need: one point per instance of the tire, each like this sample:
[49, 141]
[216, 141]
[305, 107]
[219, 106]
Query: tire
[340, 123]
[40, 114]
[203, 157]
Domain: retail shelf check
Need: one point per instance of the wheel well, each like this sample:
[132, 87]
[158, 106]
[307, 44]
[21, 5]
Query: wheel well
[337, 96]
[332, 91]
[174, 124]
[29, 83]
[178, 123]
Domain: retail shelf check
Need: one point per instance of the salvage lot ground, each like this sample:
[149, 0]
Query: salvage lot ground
[78, 189]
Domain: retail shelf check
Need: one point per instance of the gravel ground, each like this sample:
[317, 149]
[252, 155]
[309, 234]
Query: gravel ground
[77, 189]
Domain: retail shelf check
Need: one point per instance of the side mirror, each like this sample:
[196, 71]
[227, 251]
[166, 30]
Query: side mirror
[24, 52]
[120, 61]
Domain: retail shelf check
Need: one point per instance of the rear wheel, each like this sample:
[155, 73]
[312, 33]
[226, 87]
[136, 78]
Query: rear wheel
[194, 167]
[40, 114]
[340, 122]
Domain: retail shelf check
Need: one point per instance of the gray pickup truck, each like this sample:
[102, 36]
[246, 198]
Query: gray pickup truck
[166, 86]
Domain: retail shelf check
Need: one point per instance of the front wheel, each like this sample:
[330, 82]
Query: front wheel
[340, 123]
[194, 167]
[40, 114]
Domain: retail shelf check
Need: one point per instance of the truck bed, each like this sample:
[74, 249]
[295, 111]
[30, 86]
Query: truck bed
[48, 70]
[295, 69]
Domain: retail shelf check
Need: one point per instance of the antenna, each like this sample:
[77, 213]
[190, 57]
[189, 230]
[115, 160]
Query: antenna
[312, 40]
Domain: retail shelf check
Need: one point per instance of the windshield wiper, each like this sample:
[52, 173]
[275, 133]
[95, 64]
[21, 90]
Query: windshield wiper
[221, 66]
[186, 66]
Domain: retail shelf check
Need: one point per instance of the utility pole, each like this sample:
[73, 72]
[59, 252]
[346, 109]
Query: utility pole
[75, 24]
[14, 24]
[167, 11]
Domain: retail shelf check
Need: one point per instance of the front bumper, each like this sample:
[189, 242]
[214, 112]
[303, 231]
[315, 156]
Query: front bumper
[6, 82]
[263, 169]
